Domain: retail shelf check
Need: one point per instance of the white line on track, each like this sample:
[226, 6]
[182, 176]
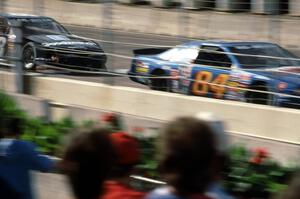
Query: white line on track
[120, 70]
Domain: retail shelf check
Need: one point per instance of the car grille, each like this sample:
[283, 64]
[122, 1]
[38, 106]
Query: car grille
[80, 60]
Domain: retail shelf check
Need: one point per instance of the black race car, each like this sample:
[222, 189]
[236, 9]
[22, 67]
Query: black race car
[45, 41]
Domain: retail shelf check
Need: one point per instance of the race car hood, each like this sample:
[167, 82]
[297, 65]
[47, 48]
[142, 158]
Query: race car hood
[285, 74]
[63, 41]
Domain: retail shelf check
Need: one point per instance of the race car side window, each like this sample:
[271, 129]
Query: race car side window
[213, 56]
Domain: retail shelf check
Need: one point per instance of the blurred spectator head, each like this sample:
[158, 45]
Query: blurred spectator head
[11, 127]
[293, 189]
[221, 139]
[87, 162]
[188, 154]
[127, 150]
[217, 126]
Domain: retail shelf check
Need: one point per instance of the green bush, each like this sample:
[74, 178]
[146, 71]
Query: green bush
[254, 174]
[48, 136]
[9, 108]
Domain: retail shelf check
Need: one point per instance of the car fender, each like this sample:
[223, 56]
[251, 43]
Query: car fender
[269, 82]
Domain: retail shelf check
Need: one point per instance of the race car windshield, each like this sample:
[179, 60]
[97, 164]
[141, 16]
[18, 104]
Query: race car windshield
[263, 56]
[180, 54]
[42, 26]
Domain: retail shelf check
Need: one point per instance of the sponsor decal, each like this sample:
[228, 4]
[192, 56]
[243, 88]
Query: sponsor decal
[70, 43]
[282, 85]
[174, 74]
[58, 37]
[174, 80]
[233, 86]
[234, 93]
[141, 69]
[204, 83]
[245, 77]
[185, 73]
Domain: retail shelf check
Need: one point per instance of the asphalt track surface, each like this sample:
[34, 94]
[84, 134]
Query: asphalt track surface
[133, 41]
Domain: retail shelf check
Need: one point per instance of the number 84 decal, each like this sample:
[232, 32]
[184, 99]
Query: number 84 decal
[204, 83]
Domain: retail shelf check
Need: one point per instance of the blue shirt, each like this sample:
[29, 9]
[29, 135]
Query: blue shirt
[17, 159]
[215, 191]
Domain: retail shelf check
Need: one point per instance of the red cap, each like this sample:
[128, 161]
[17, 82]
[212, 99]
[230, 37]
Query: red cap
[126, 147]
[108, 117]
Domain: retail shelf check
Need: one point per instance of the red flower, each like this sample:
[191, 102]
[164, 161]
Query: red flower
[108, 117]
[259, 155]
[138, 129]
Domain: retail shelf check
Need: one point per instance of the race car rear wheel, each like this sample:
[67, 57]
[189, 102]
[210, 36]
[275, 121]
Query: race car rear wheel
[29, 56]
[261, 96]
[156, 83]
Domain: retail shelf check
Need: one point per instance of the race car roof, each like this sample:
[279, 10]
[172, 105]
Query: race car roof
[20, 16]
[224, 43]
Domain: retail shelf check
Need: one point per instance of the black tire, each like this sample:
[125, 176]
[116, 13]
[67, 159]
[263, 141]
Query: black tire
[260, 97]
[159, 84]
[29, 56]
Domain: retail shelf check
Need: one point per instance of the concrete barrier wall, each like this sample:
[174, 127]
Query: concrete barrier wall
[242, 118]
[204, 24]
[34, 106]
[261, 121]
[146, 111]
[7, 81]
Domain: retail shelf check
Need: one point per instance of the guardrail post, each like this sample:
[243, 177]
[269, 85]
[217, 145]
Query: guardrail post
[274, 29]
[2, 5]
[17, 55]
[38, 7]
[183, 20]
[107, 15]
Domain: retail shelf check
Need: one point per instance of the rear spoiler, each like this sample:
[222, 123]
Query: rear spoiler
[149, 51]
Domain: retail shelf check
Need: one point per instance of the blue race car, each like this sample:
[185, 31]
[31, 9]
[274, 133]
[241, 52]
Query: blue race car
[256, 72]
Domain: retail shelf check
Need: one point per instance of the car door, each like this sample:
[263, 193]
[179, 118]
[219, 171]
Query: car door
[180, 66]
[211, 72]
[3, 36]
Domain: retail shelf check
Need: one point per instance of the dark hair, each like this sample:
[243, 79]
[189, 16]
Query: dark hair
[11, 126]
[119, 170]
[293, 189]
[87, 162]
[188, 152]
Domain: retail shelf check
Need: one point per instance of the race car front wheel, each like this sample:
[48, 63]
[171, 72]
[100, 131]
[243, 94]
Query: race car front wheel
[29, 56]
